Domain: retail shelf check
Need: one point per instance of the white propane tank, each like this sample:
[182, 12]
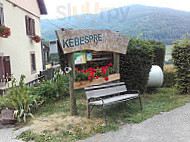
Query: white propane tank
[156, 77]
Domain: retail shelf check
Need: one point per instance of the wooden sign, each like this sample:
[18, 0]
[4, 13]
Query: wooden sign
[96, 40]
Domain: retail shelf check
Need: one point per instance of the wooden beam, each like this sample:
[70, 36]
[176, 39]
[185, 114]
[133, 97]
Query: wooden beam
[71, 64]
[116, 57]
[101, 59]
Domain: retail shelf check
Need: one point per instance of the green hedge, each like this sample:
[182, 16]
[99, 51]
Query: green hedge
[136, 64]
[159, 53]
[181, 59]
[169, 76]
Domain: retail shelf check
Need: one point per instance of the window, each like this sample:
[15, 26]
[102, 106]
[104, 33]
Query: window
[33, 62]
[1, 14]
[5, 68]
[30, 26]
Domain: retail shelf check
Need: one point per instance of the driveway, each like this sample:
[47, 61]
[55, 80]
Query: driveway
[173, 126]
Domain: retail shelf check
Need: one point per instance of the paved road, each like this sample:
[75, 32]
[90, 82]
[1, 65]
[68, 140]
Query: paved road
[7, 133]
[173, 126]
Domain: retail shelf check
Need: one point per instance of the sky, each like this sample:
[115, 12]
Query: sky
[64, 8]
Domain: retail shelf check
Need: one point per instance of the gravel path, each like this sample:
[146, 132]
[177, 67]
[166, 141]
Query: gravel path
[173, 126]
[7, 133]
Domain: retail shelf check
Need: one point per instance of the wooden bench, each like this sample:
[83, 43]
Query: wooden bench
[108, 94]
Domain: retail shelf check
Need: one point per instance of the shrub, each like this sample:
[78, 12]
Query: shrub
[169, 76]
[136, 64]
[19, 98]
[181, 59]
[54, 89]
[159, 50]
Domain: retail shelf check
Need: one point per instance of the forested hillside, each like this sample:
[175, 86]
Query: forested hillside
[154, 23]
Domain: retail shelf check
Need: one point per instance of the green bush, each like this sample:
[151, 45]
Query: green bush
[136, 64]
[159, 50]
[169, 76]
[181, 59]
[54, 89]
[169, 79]
[19, 98]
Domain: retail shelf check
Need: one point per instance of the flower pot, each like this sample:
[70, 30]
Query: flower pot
[7, 117]
[101, 80]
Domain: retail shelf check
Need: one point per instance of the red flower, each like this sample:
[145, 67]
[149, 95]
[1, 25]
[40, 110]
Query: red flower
[97, 77]
[106, 78]
[106, 67]
[89, 78]
[76, 69]
[82, 70]
[94, 70]
[91, 73]
[104, 72]
[89, 68]
[97, 67]
[92, 76]
[86, 70]
[110, 64]
[4, 32]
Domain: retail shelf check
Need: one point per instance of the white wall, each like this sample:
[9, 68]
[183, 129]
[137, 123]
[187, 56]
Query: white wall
[53, 47]
[19, 45]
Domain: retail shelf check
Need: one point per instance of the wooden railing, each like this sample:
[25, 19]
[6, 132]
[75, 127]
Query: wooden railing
[44, 75]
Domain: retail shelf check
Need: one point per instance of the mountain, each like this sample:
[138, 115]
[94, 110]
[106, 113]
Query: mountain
[162, 24]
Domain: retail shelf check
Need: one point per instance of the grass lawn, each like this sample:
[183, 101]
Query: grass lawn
[53, 122]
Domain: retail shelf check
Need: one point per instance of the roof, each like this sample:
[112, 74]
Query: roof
[36, 7]
[42, 7]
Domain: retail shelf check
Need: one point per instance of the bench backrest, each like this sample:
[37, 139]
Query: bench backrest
[99, 91]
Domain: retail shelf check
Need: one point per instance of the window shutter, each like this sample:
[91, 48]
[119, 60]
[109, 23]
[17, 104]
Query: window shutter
[33, 27]
[1, 15]
[27, 25]
[7, 67]
[1, 70]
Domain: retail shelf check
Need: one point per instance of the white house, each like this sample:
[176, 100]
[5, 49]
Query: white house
[53, 47]
[19, 54]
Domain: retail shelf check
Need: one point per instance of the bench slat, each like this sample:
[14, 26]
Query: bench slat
[105, 92]
[103, 86]
[116, 99]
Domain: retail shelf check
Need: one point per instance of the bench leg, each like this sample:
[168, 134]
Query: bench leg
[104, 112]
[140, 103]
[88, 111]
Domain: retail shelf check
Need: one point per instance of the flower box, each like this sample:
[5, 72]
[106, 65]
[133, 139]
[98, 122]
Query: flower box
[101, 80]
[7, 117]
[36, 38]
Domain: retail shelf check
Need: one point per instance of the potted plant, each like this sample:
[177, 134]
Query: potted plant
[36, 38]
[4, 32]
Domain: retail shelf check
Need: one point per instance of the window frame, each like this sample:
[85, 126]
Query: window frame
[2, 69]
[5, 69]
[2, 21]
[33, 69]
[30, 26]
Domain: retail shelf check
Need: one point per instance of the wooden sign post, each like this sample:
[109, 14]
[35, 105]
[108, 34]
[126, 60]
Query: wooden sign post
[72, 41]
[71, 64]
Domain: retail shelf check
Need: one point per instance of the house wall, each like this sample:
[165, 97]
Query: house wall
[53, 47]
[29, 5]
[19, 45]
